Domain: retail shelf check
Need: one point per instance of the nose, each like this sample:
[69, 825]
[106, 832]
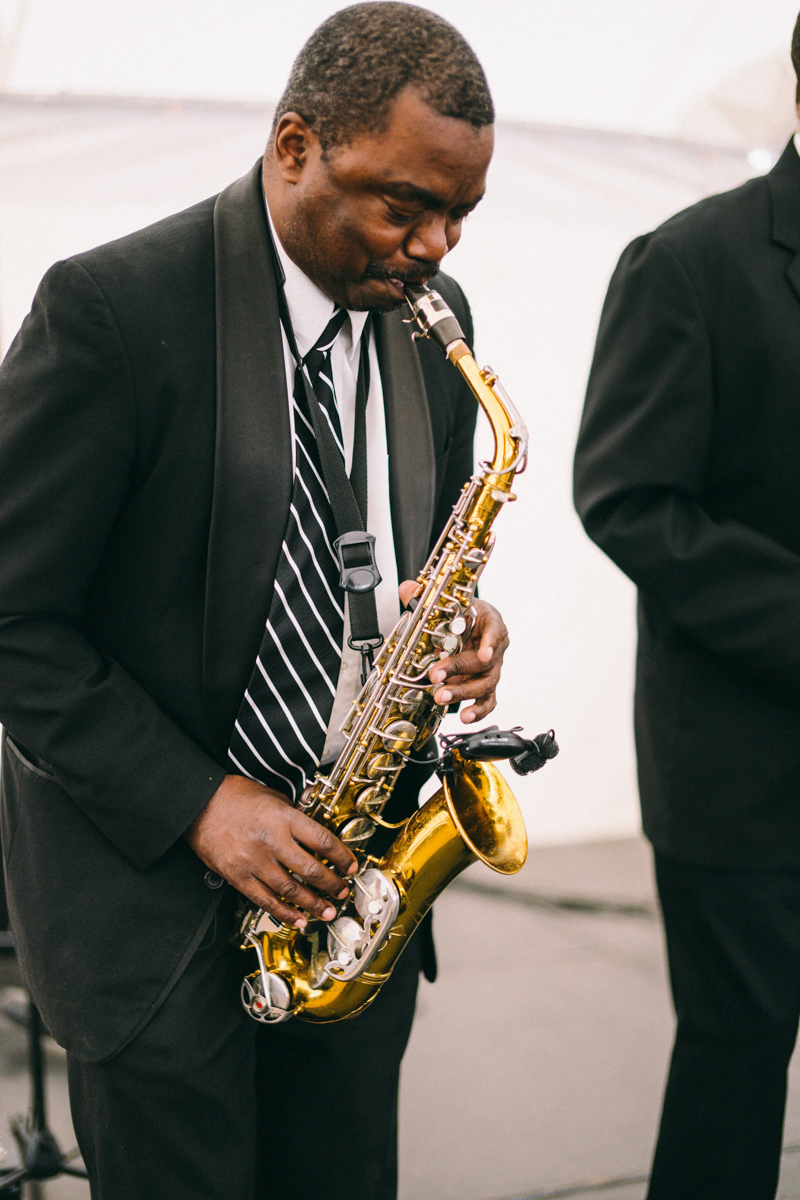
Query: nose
[428, 239]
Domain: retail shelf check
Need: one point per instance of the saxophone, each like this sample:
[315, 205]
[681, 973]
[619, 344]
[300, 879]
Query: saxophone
[330, 971]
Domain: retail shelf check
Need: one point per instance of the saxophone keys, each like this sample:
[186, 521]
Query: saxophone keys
[445, 638]
[356, 832]
[410, 700]
[351, 945]
[347, 941]
[308, 799]
[267, 997]
[381, 764]
[372, 799]
[399, 736]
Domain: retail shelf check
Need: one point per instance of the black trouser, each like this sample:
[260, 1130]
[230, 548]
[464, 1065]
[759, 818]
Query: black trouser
[733, 943]
[206, 1104]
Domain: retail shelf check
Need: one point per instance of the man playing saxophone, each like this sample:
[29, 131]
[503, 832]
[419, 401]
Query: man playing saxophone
[176, 651]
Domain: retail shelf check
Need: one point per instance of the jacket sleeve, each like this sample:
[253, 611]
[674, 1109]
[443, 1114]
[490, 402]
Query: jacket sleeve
[67, 451]
[640, 468]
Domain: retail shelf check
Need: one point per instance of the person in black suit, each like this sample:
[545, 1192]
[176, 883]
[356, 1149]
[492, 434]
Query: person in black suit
[145, 483]
[687, 474]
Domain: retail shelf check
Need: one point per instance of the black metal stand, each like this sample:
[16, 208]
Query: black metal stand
[39, 1151]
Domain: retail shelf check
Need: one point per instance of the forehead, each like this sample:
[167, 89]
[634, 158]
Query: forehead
[444, 156]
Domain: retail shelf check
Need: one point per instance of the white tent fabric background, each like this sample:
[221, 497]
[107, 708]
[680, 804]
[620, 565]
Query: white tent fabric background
[612, 64]
[535, 261]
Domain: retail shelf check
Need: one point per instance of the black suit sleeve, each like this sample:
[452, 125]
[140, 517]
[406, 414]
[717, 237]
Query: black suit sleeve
[641, 462]
[67, 451]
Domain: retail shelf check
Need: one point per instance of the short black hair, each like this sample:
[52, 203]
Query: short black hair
[356, 63]
[796, 56]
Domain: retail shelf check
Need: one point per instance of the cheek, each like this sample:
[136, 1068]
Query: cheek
[387, 244]
[372, 241]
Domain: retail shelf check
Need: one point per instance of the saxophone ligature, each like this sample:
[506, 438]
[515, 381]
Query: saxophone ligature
[330, 971]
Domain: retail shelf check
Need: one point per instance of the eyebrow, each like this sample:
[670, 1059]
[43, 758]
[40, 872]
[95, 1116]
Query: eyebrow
[403, 190]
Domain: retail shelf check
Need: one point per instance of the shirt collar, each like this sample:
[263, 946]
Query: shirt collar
[309, 308]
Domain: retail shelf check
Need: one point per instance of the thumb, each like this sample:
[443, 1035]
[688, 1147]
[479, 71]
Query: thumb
[407, 590]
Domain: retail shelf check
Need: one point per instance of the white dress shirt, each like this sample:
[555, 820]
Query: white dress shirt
[310, 310]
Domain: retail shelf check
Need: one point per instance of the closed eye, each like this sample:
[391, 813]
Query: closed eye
[400, 217]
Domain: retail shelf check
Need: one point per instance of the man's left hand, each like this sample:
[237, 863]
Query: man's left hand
[475, 672]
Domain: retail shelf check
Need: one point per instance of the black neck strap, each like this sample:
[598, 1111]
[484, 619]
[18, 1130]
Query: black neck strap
[355, 548]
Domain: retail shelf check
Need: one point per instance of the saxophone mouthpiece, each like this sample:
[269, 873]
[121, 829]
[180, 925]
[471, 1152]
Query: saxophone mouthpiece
[433, 315]
[415, 291]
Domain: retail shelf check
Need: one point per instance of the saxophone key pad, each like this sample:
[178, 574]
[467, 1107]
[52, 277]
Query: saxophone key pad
[266, 995]
[379, 765]
[399, 735]
[445, 637]
[372, 799]
[409, 700]
[357, 831]
[351, 945]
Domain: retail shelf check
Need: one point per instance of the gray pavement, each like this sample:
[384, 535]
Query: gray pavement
[537, 1059]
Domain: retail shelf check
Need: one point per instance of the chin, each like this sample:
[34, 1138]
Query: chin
[364, 305]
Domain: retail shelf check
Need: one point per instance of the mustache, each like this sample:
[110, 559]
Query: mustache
[420, 273]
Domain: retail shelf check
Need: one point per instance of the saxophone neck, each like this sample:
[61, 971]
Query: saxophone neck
[510, 432]
[437, 321]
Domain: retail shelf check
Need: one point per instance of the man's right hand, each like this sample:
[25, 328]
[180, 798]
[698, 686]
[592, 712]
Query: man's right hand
[253, 838]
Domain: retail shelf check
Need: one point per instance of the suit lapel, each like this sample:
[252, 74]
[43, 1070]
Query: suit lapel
[784, 186]
[252, 469]
[408, 430]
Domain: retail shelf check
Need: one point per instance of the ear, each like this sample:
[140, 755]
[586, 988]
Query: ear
[291, 146]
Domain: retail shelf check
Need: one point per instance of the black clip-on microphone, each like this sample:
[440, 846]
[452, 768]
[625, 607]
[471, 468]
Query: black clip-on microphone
[486, 745]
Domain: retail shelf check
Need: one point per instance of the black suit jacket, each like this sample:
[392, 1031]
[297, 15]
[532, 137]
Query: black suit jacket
[145, 480]
[688, 475]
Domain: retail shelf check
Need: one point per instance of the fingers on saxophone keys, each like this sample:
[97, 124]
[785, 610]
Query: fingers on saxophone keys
[438, 674]
[304, 898]
[465, 685]
[321, 841]
[263, 897]
[480, 688]
[478, 710]
[316, 874]
[458, 670]
[290, 900]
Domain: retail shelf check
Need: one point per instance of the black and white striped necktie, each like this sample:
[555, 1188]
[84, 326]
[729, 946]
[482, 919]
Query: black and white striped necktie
[283, 721]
